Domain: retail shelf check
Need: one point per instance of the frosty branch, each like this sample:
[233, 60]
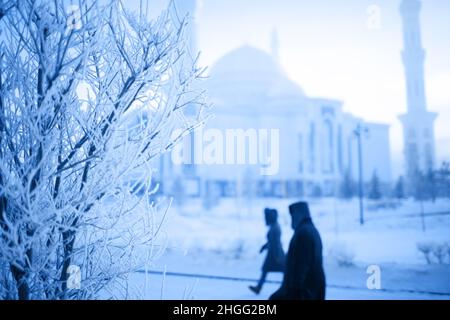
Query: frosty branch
[83, 111]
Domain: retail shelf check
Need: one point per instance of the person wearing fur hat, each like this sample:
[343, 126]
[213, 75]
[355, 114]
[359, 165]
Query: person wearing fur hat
[304, 277]
[275, 257]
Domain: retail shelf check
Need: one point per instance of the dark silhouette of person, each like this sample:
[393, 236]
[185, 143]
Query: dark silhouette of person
[304, 278]
[275, 258]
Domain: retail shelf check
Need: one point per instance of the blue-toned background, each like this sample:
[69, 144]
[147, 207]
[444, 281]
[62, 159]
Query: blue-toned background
[327, 75]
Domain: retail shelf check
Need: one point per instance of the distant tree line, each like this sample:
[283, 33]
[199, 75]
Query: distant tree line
[422, 186]
[373, 189]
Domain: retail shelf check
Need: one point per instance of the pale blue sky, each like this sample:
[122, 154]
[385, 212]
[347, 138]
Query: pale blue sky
[328, 49]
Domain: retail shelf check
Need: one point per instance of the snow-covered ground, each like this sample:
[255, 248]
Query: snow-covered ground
[388, 235]
[224, 242]
[209, 275]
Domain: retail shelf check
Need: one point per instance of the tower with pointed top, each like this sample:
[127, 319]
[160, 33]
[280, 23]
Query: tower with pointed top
[418, 122]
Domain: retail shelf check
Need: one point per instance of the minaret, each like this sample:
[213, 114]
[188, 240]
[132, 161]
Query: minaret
[418, 123]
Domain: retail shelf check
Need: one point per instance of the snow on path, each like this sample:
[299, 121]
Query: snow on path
[176, 288]
[398, 282]
[225, 241]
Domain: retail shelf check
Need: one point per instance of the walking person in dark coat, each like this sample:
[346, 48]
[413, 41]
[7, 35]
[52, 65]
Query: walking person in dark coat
[275, 258]
[304, 277]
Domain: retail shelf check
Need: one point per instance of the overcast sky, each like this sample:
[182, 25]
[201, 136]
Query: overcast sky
[327, 47]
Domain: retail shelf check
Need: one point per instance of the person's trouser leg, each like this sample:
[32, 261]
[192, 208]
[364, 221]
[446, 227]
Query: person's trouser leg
[262, 279]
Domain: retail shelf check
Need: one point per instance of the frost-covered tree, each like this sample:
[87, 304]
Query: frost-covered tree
[424, 186]
[347, 186]
[399, 189]
[89, 95]
[431, 183]
[420, 193]
[375, 188]
[444, 180]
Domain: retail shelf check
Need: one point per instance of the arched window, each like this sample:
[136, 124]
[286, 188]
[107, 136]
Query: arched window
[413, 156]
[312, 147]
[428, 157]
[327, 147]
[300, 153]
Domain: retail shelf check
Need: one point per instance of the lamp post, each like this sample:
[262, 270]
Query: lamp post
[358, 132]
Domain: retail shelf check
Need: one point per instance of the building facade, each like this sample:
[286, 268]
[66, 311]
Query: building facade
[317, 144]
[316, 141]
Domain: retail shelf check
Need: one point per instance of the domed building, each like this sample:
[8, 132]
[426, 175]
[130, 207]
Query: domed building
[247, 74]
[266, 137]
[261, 118]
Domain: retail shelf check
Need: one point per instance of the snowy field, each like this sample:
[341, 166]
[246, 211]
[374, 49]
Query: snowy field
[211, 277]
[214, 254]
[388, 235]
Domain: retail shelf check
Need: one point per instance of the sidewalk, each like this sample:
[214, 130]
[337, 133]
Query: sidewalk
[397, 282]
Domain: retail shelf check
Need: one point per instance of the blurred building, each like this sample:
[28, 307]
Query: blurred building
[317, 143]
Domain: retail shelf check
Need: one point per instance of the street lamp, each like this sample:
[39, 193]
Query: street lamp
[358, 132]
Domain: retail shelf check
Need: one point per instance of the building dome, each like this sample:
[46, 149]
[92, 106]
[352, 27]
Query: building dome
[250, 74]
